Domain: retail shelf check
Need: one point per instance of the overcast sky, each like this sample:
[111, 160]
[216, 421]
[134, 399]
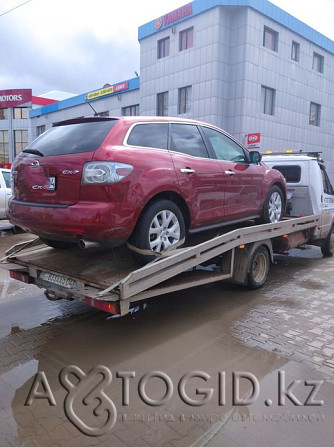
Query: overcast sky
[78, 45]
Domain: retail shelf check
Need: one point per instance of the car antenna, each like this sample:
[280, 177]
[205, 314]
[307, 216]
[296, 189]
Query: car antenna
[95, 112]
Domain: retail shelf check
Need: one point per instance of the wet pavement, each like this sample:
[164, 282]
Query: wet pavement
[215, 366]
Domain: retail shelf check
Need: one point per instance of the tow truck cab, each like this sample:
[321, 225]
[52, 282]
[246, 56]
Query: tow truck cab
[309, 190]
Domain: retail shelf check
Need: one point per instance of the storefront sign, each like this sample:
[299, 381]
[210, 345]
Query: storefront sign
[253, 139]
[108, 91]
[15, 98]
[174, 16]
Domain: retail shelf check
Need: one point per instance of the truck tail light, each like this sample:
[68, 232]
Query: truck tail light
[112, 308]
[21, 276]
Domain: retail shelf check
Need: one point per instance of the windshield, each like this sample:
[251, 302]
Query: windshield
[71, 138]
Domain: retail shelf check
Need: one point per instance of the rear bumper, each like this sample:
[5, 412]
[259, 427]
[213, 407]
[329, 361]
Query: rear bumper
[89, 220]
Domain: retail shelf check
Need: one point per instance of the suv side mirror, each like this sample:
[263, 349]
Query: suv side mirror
[255, 157]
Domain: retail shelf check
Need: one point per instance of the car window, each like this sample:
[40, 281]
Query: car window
[186, 138]
[223, 147]
[149, 135]
[72, 138]
[7, 178]
[291, 173]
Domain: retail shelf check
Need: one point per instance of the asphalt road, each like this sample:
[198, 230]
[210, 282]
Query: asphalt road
[215, 366]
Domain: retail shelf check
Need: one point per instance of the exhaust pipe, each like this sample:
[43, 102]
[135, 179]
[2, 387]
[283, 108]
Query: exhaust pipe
[88, 244]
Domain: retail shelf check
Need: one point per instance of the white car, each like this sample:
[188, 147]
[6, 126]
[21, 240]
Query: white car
[5, 191]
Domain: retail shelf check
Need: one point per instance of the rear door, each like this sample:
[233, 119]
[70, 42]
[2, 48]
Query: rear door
[200, 178]
[243, 181]
[49, 170]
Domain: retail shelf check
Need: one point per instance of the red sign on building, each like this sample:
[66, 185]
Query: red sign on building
[15, 98]
[253, 139]
[174, 16]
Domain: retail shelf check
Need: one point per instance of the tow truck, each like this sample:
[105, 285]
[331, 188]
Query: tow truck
[112, 281]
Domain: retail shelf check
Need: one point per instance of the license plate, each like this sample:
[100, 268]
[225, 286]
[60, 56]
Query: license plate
[57, 279]
[52, 183]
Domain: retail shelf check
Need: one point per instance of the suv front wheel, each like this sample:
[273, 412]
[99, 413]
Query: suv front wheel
[273, 207]
[160, 226]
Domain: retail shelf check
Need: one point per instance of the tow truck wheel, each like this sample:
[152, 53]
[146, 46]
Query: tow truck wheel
[273, 206]
[327, 248]
[160, 226]
[258, 268]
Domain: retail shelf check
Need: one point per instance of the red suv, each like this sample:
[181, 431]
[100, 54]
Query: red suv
[144, 179]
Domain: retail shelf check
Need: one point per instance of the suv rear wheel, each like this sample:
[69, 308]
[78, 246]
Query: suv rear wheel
[160, 226]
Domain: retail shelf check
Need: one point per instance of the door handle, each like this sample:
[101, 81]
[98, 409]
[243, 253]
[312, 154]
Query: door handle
[229, 172]
[187, 170]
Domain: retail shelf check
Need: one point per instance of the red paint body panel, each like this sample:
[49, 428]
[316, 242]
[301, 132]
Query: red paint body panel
[109, 212]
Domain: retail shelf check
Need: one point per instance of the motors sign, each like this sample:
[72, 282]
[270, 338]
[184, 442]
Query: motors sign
[15, 98]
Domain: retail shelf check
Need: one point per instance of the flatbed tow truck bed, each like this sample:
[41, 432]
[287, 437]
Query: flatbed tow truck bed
[113, 281]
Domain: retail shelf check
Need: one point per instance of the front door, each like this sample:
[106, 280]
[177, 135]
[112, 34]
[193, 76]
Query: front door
[200, 178]
[243, 181]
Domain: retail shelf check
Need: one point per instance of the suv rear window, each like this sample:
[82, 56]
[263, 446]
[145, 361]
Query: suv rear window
[72, 138]
[291, 173]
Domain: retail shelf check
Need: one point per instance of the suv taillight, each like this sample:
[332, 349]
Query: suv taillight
[104, 172]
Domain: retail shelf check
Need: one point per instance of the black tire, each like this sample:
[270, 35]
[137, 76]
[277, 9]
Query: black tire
[258, 268]
[327, 249]
[151, 233]
[273, 207]
[59, 245]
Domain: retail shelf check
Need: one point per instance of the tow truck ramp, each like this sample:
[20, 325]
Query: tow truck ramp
[112, 281]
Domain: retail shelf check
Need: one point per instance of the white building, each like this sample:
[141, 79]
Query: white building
[244, 65]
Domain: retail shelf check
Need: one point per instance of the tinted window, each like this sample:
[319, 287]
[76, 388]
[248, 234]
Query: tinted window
[149, 135]
[72, 138]
[223, 147]
[186, 138]
[291, 173]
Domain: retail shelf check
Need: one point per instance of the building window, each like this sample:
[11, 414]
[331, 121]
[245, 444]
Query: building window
[40, 130]
[3, 114]
[315, 114]
[184, 100]
[162, 104]
[268, 100]
[104, 113]
[318, 62]
[295, 51]
[186, 39]
[131, 110]
[20, 140]
[4, 146]
[20, 113]
[163, 48]
[270, 39]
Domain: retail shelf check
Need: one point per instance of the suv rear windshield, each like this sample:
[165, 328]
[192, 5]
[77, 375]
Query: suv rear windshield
[71, 138]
